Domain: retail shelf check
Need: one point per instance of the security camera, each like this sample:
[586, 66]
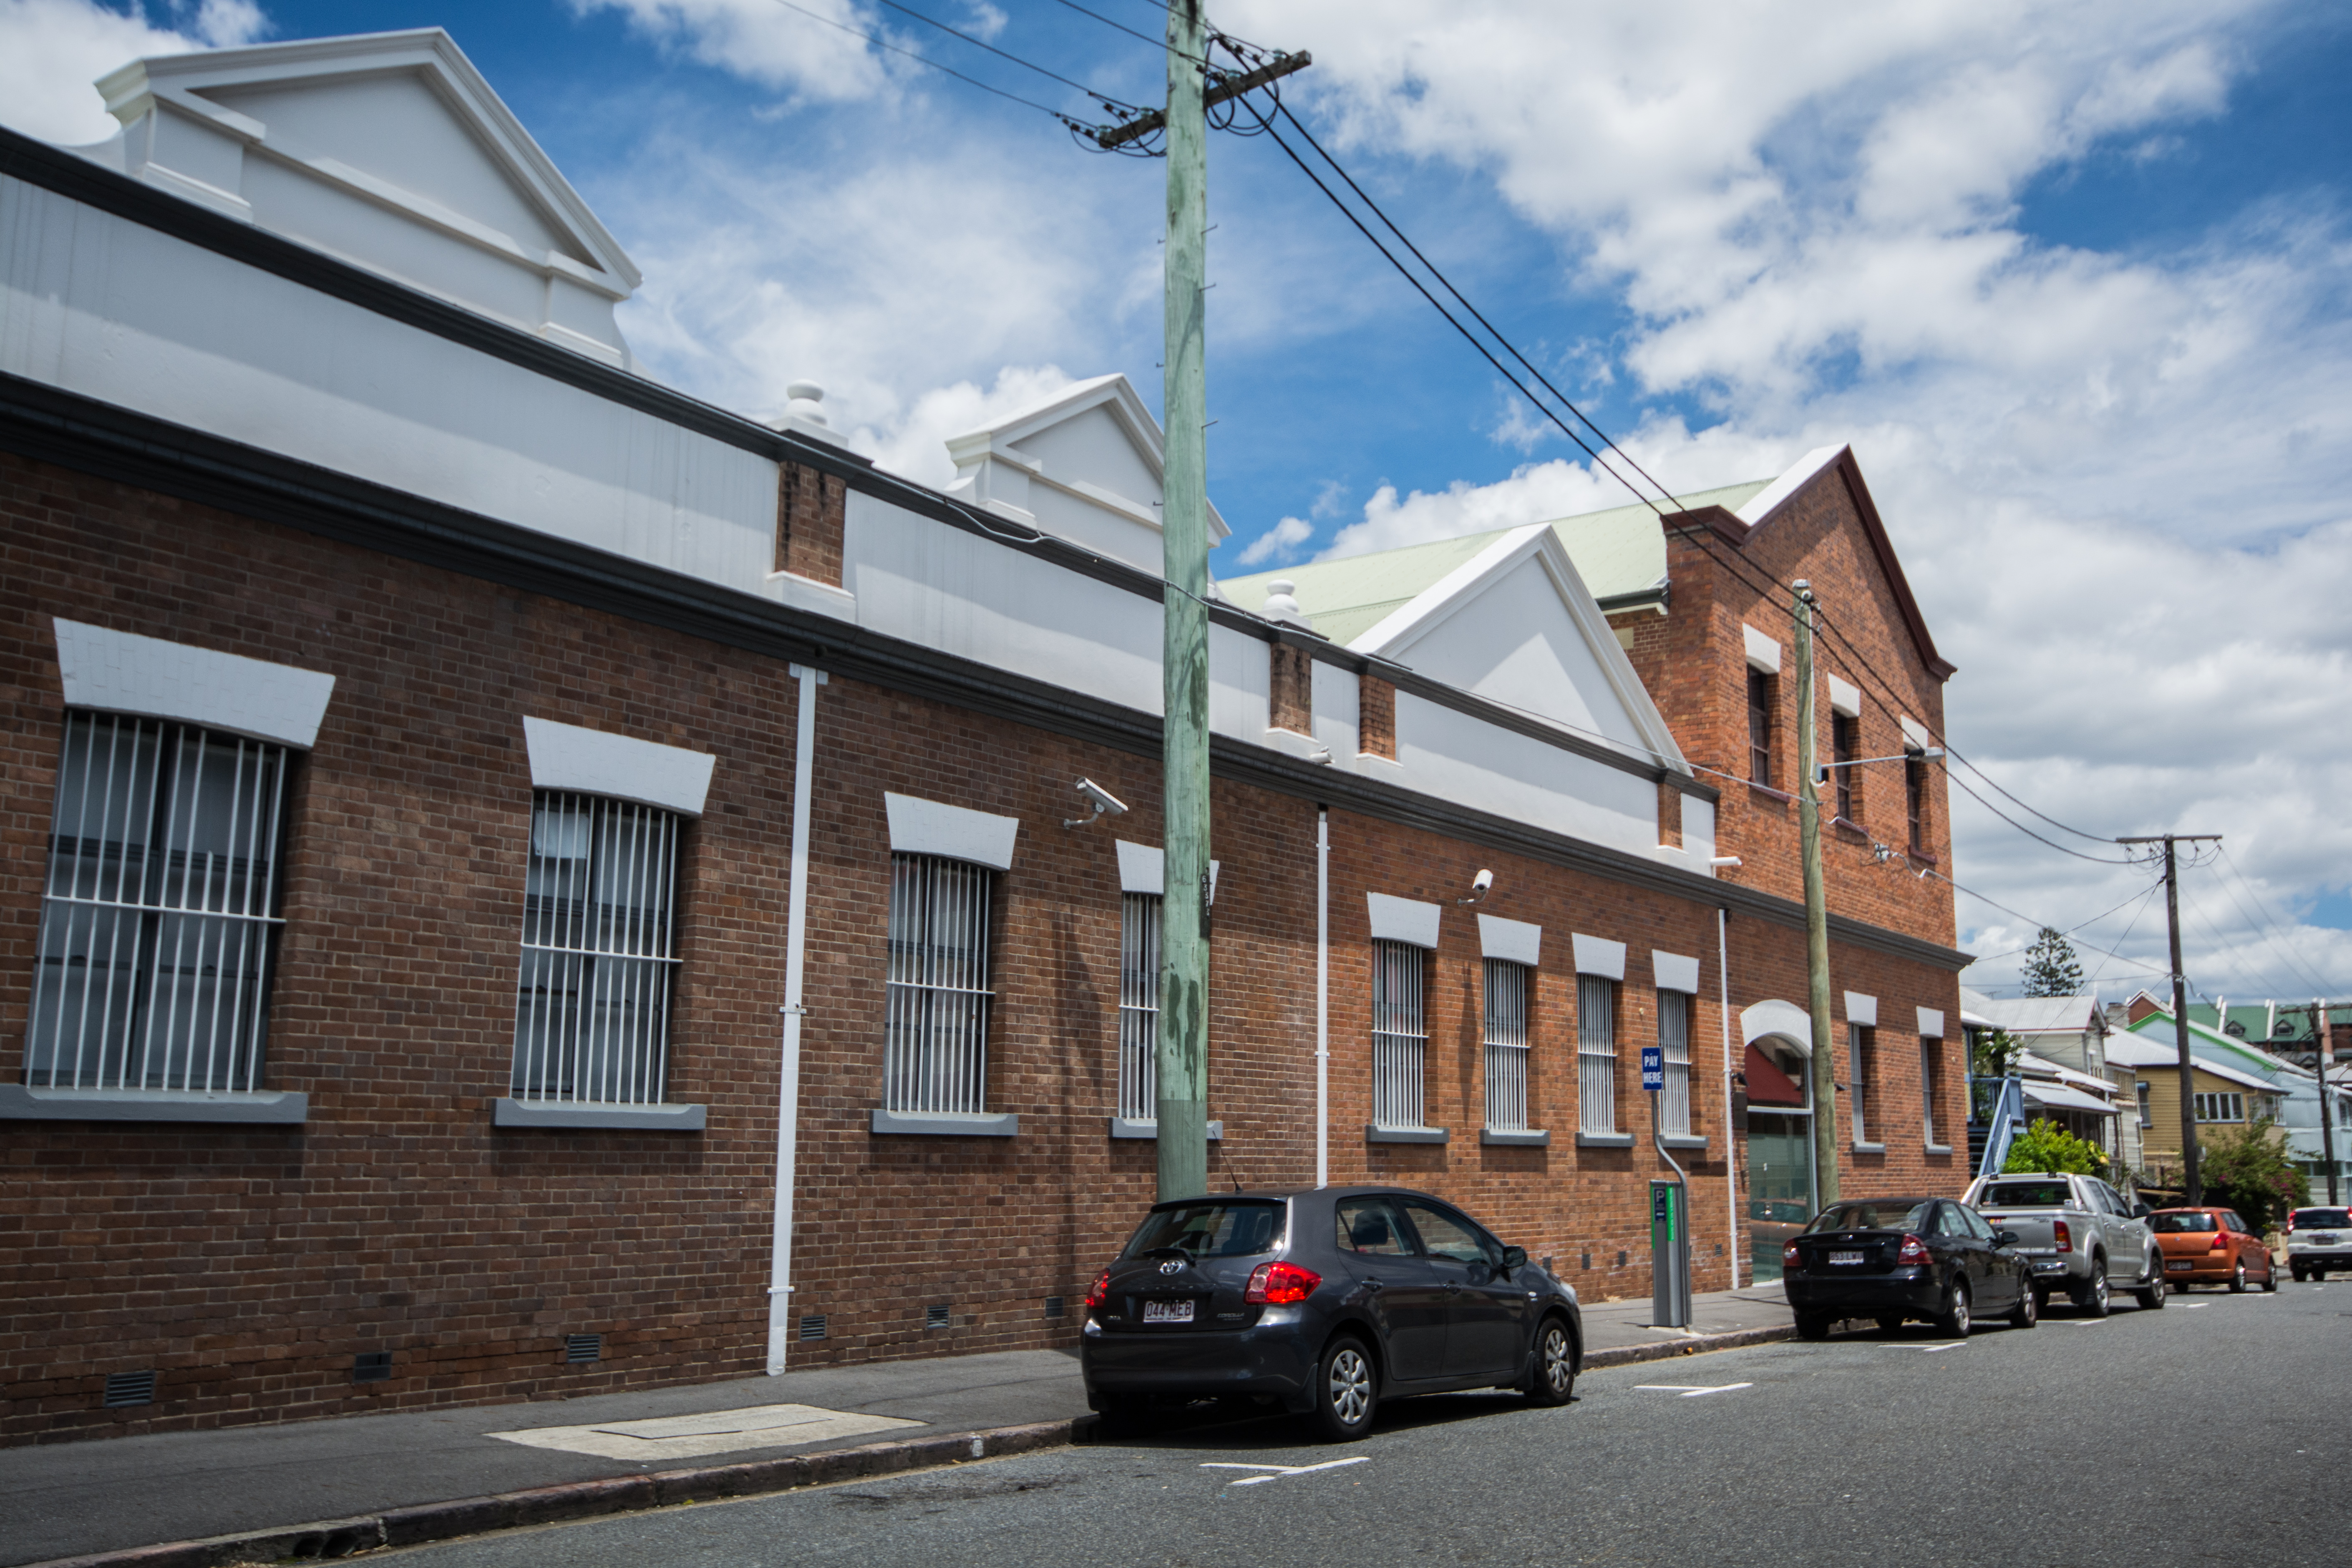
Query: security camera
[1104, 802]
[1478, 886]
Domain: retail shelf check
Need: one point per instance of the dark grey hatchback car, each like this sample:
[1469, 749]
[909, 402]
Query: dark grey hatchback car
[1326, 1300]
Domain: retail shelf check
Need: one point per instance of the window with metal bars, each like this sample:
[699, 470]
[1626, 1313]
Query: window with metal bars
[1760, 692]
[1915, 800]
[1931, 1053]
[1674, 1045]
[159, 921]
[1845, 745]
[592, 1016]
[1596, 1054]
[1861, 1046]
[935, 1045]
[1400, 1033]
[1506, 1045]
[1138, 1006]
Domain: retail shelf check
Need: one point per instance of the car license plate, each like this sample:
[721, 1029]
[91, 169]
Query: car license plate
[2326, 1240]
[2181, 1267]
[1168, 1311]
[1845, 1257]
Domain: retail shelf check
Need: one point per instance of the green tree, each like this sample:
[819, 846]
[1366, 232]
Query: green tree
[1996, 1053]
[2247, 1170]
[2046, 1146]
[2051, 968]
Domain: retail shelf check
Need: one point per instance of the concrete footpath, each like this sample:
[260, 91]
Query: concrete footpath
[327, 1489]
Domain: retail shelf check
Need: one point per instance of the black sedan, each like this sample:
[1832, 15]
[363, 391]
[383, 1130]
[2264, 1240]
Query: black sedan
[1895, 1258]
[1325, 1301]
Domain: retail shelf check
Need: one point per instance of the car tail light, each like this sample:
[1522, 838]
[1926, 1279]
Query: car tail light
[1100, 1291]
[2220, 1242]
[1915, 1251]
[1280, 1284]
[1790, 1257]
[2066, 1237]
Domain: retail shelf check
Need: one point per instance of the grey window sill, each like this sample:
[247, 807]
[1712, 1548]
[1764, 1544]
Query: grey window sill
[1680, 1140]
[1149, 1127]
[945, 1124]
[21, 1103]
[1939, 1148]
[1405, 1134]
[1604, 1140]
[666, 1118]
[1869, 1148]
[1517, 1137]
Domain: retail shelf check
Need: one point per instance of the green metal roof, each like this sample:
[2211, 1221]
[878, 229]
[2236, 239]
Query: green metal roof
[1617, 551]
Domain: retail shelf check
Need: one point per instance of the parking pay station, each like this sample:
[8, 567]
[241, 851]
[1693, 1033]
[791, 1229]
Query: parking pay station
[1670, 1285]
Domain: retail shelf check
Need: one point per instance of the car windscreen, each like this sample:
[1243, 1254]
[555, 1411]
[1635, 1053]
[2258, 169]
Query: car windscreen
[1210, 1229]
[2323, 1219]
[2026, 1195]
[1879, 1214]
[2183, 1222]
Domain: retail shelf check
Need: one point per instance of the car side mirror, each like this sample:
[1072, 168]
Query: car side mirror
[2006, 1238]
[1514, 1260]
[2141, 1211]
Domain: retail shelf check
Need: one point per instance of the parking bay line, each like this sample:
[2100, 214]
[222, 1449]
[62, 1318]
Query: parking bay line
[1282, 1470]
[1689, 1390]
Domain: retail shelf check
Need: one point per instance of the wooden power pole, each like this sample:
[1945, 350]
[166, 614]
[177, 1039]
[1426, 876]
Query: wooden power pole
[2194, 1183]
[1817, 919]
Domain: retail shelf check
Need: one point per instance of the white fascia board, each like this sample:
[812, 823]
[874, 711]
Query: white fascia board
[1599, 955]
[1769, 500]
[1516, 940]
[123, 672]
[1763, 649]
[1394, 634]
[1861, 1009]
[1781, 1020]
[920, 827]
[1407, 920]
[1845, 699]
[1675, 972]
[1931, 1022]
[594, 762]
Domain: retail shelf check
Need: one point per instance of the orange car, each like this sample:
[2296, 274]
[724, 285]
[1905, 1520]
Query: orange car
[2211, 1246]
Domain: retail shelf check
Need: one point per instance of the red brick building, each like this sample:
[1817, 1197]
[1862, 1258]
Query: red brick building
[411, 708]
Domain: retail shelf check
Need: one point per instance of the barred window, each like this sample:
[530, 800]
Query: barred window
[1400, 1034]
[1138, 1006]
[1506, 1045]
[1861, 1046]
[1845, 745]
[1596, 1054]
[1674, 1045]
[1931, 1052]
[935, 1047]
[591, 1013]
[158, 922]
[1762, 689]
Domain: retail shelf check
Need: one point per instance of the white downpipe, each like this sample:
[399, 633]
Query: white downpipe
[788, 1085]
[1730, 1134]
[1322, 997]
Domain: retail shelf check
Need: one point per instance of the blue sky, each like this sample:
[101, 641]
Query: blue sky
[2070, 276]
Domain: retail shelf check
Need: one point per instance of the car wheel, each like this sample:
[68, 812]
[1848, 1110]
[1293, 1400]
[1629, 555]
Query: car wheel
[1955, 1321]
[2319, 1274]
[1554, 1381]
[2300, 1276]
[2238, 1280]
[1347, 1391]
[1890, 1325]
[2092, 1301]
[2269, 1278]
[1813, 1326]
[2027, 1313]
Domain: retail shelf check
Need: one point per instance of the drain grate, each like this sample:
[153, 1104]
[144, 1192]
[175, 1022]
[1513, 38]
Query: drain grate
[1053, 1306]
[130, 1388]
[372, 1366]
[584, 1347]
[812, 1326]
[935, 1317]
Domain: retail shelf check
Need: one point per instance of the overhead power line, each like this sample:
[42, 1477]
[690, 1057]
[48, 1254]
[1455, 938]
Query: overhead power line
[1074, 124]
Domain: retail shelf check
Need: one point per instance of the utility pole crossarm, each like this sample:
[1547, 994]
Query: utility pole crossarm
[1225, 90]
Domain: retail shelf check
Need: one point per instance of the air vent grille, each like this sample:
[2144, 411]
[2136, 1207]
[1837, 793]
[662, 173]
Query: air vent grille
[372, 1366]
[584, 1347]
[130, 1388]
[936, 1317]
[812, 1326]
[1053, 1306]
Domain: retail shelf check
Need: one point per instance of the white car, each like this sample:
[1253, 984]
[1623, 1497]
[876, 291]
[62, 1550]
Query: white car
[2318, 1241]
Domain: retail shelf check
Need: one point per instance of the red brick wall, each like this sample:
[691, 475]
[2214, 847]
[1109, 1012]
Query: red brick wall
[810, 508]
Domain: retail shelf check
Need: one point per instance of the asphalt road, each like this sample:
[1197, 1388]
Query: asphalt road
[2212, 1431]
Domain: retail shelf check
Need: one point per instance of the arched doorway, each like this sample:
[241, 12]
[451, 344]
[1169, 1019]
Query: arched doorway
[1780, 1197]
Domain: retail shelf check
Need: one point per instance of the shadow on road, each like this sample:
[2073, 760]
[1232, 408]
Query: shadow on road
[1214, 1427]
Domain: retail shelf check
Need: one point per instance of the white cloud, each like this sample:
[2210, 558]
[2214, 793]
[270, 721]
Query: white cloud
[771, 45]
[1280, 541]
[55, 49]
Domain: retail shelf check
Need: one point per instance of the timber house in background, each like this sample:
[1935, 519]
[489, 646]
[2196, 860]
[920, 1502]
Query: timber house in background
[410, 701]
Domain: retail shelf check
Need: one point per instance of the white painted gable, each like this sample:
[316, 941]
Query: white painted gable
[1516, 624]
[1084, 466]
[388, 151]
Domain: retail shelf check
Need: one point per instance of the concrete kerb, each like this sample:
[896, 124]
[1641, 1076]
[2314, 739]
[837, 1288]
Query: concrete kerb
[335, 1538]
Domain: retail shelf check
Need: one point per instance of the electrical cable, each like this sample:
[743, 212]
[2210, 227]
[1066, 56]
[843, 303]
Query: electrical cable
[2128, 927]
[1107, 101]
[1077, 127]
[2268, 921]
[2011, 953]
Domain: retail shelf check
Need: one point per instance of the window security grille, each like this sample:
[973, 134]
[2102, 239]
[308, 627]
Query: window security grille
[2220, 1107]
[812, 1326]
[159, 923]
[935, 1049]
[1930, 1070]
[1400, 1034]
[1859, 1043]
[1674, 1044]
[1759, 726]
[130, 1388]
[1138, 1006]
[584, 1347]
[372, 1366]
[936, 1317]
[1596, 1054]
[1053, 1306]
[1914, 801]
[1845, 745]
[592, 1020]
[1506, 1045]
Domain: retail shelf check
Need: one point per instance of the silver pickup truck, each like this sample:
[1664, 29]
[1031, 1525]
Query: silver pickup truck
[2078, 1235]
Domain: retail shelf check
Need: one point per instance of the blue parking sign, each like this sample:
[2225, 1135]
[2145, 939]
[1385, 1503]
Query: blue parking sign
[1653, 1068]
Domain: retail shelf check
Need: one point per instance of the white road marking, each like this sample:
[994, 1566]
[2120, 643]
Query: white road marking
[2195, 1306]
[1930, 1350]
[1282, 1470]
[1690, 1390]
